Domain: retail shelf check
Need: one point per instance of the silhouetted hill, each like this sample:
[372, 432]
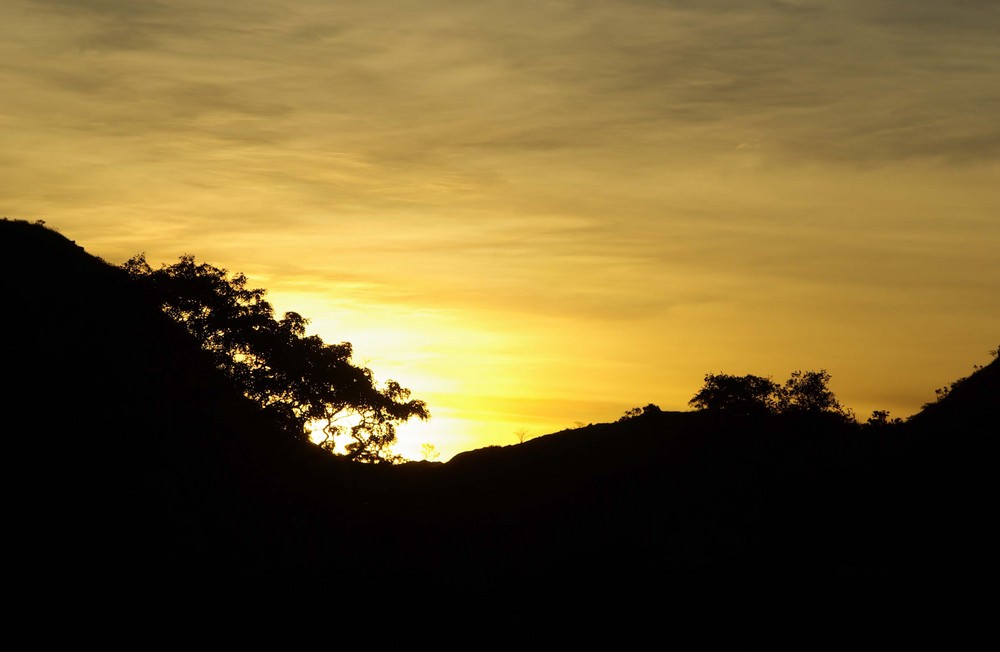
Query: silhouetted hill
[970, 407]
[135, 463]
[132, 457]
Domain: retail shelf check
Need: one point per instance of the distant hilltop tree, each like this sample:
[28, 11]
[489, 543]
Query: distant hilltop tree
[638, 412]
[739, 395]
[808, 391]
[303, 384]
[803, 392]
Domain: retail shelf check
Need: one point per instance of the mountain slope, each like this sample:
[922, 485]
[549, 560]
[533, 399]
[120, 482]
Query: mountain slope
[134, 457]
[135, 463]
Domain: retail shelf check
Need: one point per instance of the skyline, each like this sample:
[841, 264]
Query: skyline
[539, 214]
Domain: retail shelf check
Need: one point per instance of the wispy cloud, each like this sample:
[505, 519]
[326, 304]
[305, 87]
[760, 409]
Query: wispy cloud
[662, 166]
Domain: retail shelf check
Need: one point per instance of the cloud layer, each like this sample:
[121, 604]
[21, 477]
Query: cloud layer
[657, 186]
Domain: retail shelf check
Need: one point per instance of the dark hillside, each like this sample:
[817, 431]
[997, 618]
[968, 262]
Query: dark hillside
[970, 407]
[673, 499]
[133, 461]
[132, 458]
[947, 461]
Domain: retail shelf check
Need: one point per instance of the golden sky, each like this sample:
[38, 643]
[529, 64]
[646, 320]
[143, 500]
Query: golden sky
[538, 213]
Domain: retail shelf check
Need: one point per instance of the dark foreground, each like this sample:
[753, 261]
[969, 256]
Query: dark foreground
[132, 465]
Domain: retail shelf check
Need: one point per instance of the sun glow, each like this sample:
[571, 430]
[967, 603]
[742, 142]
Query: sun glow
[538, 223]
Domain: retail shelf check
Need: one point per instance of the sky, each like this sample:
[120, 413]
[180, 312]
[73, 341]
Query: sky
[539, 214]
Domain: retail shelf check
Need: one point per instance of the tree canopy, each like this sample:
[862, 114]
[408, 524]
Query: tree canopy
[739, 395]
[808, 391]
[803, 392]
[300, 382]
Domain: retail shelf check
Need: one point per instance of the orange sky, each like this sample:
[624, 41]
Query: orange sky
[535, 214]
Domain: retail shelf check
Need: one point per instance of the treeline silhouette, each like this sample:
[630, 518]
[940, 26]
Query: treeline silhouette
[301, 384]
[138, 465]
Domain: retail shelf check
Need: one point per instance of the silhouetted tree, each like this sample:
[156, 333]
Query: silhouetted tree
[636, 412]
[808, 391]
[429, 451]
[803, 392]
[880, 419]
[737, 395]
[302, 383]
